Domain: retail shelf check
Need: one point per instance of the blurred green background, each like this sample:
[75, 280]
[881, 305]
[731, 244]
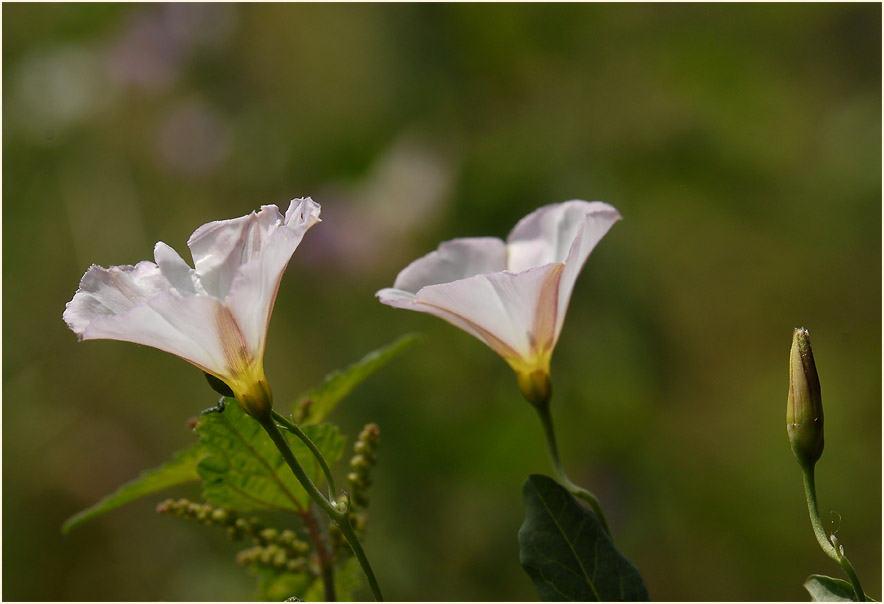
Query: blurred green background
[741, 143]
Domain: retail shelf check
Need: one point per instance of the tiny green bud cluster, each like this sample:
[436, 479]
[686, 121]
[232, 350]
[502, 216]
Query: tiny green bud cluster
[355, 498]
[279, 550]
[804, 407]
[365, 458]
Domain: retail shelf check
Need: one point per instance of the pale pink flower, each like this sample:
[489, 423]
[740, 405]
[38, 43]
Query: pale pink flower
[215, 315]
[512, 295]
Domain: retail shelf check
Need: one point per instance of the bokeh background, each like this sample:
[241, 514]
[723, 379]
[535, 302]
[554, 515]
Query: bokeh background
[741, 143]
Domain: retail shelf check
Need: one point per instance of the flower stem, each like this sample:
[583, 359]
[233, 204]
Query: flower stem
[326, 568]
[296, 430]
[543, 410]
[828, 545]
[338, 517]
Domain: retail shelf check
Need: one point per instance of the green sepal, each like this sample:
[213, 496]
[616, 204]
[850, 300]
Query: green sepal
[244, 470]
[829, 589]
[567, 553]
[314, 405]
[181, 469]
[218, 385]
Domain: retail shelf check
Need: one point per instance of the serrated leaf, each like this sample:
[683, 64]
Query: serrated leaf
[181, 469]
[829, 589]
[244, 470]
[321, 400]
[567, 553]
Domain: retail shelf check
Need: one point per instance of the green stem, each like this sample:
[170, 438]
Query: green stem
[543, 410]
[326, 564]
[339, 518]
[836, 553]
[296, 430]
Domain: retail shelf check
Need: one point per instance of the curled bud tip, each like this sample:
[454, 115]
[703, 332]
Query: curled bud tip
[804, 407]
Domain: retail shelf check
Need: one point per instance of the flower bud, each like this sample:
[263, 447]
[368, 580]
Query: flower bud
[804, 409]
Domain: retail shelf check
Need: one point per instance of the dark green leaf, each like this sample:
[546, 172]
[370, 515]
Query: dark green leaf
[315, 405]
[567, 553]
[181, 469]
[828, 589]
[245, 471]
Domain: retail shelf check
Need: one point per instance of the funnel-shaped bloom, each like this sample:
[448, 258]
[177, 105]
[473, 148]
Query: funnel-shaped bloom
[214, 315]
[512, 295]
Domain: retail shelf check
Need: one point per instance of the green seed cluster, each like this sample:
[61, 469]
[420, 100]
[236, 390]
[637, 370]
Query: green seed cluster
[280, 550]
[358, 482]
[359, 477]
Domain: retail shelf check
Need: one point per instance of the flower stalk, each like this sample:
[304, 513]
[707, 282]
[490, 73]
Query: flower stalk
[543, 411]
[829, 544]
[804, 425]
[337, 516]
[296, 430]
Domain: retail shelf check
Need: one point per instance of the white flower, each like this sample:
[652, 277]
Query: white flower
[512, 295]
[214, 315]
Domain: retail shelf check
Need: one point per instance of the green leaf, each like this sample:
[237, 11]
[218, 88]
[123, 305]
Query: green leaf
[829, 589]
[245, 471]
[280, 586]
[348, 579]
[181, 469]
[315, 405]
[567, 553]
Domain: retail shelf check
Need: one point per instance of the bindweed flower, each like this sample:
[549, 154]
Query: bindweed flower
[804, 407]
[214, 315]
[512, 295]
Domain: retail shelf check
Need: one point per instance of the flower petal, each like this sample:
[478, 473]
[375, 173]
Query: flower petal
[513, 313]
[176, 270]
[547, 234]
[595, 225]
[256, 283]
[137, 304]
[105, 292]
[219, 248]
[453, 260]
[565, 232]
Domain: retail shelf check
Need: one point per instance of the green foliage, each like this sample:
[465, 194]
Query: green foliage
[315, 405]
[245, 470]
[182, 468]
[567, 554]
[278, 587]
[829, 589]
[235, 456]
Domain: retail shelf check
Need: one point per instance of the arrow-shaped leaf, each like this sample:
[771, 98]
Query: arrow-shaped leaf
[314, 405]
[567, 553]
[181, 469]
